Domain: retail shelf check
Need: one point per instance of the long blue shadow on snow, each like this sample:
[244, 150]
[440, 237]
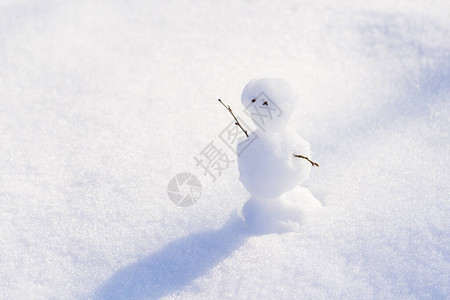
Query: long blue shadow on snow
[175, 265]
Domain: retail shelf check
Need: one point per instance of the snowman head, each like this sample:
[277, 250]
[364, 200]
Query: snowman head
[269, 102]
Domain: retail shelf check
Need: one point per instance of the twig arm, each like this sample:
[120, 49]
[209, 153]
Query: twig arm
[236, 120]
[304, 157]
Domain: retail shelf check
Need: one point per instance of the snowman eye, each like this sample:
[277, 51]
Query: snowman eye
[253, 100]
[265, 103]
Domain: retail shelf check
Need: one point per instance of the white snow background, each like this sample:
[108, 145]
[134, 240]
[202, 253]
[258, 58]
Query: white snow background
[103, 102]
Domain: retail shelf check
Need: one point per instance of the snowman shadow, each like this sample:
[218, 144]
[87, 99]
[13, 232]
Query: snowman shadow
[176, 265]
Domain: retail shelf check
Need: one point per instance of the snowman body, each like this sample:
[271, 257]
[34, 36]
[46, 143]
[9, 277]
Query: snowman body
[268, 169]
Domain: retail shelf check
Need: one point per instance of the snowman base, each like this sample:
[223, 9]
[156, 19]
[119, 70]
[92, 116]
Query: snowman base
[283, 214]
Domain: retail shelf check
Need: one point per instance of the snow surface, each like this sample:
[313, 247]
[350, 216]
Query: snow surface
[103, 102]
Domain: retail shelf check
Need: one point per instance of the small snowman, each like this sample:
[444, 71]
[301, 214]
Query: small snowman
[268, 167]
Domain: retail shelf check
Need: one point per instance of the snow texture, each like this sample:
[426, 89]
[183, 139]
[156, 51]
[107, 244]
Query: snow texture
[103, 102]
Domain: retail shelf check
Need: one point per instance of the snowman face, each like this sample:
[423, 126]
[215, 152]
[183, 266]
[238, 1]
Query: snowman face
[269, 102]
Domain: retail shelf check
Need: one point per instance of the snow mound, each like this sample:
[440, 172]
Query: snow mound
[283, 214]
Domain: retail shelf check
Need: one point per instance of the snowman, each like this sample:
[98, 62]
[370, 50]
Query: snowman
[268, 167]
